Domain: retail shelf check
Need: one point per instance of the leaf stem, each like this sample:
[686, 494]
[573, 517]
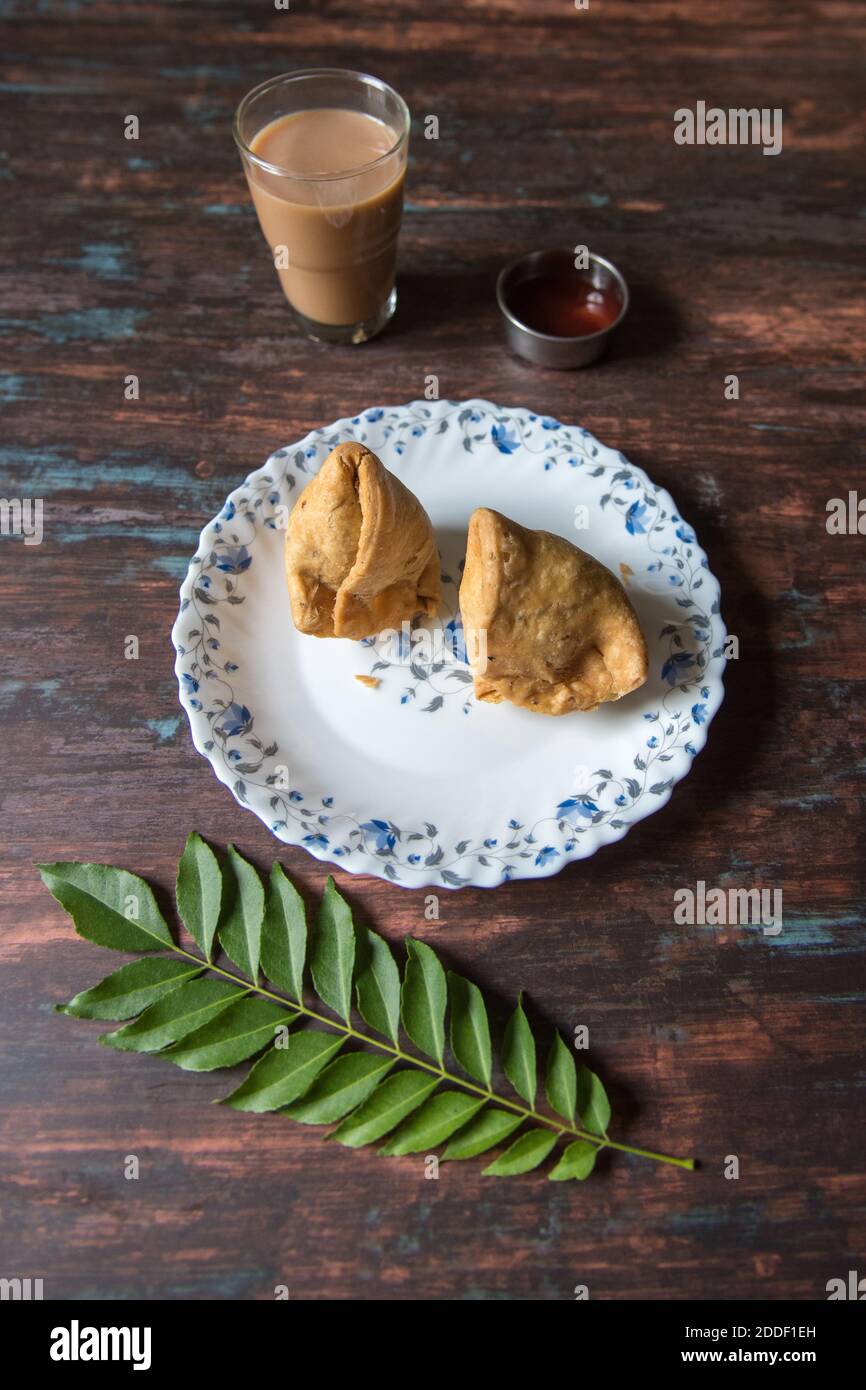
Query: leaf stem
[527, 1113]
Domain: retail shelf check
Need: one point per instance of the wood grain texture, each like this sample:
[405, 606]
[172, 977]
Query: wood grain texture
[117, 257]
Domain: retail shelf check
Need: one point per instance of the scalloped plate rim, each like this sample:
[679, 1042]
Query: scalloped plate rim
[367, 864]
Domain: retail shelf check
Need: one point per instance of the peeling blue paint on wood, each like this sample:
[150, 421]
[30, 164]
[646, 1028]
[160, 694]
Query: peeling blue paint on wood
[165, 729]
[97, 325]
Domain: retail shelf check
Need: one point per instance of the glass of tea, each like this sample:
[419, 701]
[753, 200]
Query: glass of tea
[324, 151]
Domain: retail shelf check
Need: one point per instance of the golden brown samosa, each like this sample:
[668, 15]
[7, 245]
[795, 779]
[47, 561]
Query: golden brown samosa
[360, 550]
[547, 626]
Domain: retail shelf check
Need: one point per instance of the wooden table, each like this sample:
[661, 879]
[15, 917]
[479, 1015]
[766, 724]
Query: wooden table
[124, 257]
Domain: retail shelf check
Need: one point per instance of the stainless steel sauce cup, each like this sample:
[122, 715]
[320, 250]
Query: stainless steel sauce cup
[547, 349]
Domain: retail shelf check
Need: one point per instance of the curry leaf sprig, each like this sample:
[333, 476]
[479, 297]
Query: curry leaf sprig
[200, 1014]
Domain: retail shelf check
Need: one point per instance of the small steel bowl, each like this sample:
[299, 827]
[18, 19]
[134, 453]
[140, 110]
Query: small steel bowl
[547, 349]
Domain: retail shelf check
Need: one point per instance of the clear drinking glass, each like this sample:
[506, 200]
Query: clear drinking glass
[324, 151]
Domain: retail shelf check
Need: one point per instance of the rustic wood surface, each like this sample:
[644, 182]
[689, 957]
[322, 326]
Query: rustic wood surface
[556, 126]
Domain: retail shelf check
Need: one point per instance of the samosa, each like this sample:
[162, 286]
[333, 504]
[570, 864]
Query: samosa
[547, 626]
[360, 550]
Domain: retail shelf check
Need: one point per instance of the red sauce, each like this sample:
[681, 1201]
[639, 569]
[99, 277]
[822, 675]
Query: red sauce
[562, 305]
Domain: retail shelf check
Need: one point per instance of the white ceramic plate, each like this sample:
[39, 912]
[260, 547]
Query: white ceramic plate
[412, 779]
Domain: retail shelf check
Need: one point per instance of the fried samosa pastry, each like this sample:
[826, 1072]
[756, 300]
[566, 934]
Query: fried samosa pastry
[360, 550]
[547, 626]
